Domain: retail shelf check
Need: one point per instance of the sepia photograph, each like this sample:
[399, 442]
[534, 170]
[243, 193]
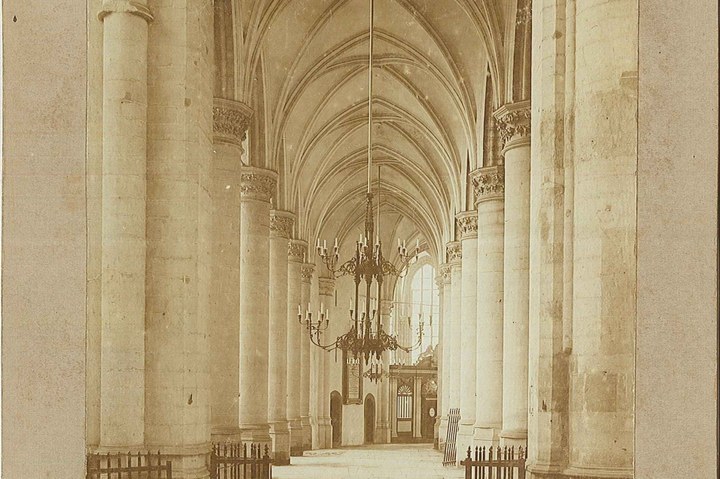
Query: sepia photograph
[333, 239]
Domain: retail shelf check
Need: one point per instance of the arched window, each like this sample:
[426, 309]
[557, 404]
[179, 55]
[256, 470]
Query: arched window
[425, 308]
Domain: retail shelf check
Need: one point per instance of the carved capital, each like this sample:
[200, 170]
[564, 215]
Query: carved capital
[524, 13]
[454, 252]
[297, 250]
[326, 286]
[281, 223]
[257, 183]
[446, 273]
[489, 183]
[513, 122]
[131, 7]
[230, 121]
[306, 272]
[467, 224]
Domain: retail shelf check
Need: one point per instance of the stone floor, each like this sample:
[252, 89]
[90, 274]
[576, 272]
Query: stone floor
[383, 461]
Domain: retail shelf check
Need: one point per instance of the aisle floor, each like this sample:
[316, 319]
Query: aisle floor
[382, 461]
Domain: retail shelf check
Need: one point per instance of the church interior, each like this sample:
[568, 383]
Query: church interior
[391, 228]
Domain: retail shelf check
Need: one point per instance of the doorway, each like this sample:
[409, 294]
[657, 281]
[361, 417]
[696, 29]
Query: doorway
[336, 418]
[369, 419]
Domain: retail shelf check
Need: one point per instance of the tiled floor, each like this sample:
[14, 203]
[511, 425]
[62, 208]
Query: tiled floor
[386, 461]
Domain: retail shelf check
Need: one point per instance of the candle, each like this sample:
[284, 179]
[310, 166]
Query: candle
[417, 243]
[336, 243]
[299, 311]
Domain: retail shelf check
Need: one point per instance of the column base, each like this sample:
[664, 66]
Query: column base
[256, 433]
[326, 432]
[296, 437]
[464, 441]
[317, 436]
[382, 433]
[579, 472]
[280, 440]
[551, 471]
[442, 433]
[306, 433]
[513, 438]
[486, 436]
[188, 462]
[225, 435]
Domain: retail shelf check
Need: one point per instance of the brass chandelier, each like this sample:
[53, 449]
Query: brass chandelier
[366, 340]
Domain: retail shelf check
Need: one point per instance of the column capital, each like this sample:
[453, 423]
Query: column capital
[257, 183]
[513, 123]
[133, 7]
[488, 183]
[467, 224]
[446, 273]
[454, 253]
[230, 121]
[297, 250]
[326, 286]
[306, 272]
[281, 224]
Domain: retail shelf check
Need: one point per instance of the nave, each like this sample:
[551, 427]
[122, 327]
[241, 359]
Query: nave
[378, 461]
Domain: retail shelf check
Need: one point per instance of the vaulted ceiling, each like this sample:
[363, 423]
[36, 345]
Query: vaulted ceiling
[302, 65]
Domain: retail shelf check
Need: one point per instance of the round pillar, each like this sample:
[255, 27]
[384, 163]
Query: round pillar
[296, 336]
[445, 351]
[124, 165]
[467, 226]
[489, 190]
[256, 189]
[306, 274]
[281, 223]
[601, 367]
[514, 124]
[326, 295]
[454, 258]
[224, 295]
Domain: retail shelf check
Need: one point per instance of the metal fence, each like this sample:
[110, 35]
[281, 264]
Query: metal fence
[495, 463]
[141, 465]
[450, 455]
[238, 461]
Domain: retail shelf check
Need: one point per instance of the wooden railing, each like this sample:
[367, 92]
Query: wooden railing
[450, 455]
[128, 466]
[238, 461]
[495, 463]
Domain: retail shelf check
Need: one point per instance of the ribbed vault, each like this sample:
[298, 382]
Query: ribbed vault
[308, 59]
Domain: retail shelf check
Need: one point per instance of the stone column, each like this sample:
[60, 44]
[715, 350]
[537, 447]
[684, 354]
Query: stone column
[179, 227]
[489, 190]
[257, 186]
[468, 229]
[230, 120]
[296, 337]
[124, 163]
[393, 408]
[547, 360]
[417, 407]
[454, 258]
[445, 350]
[326, 294]
[602, 367]
[281, 223]
[306, 274]
[513, 121]
[382, 432]
[316, 373]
